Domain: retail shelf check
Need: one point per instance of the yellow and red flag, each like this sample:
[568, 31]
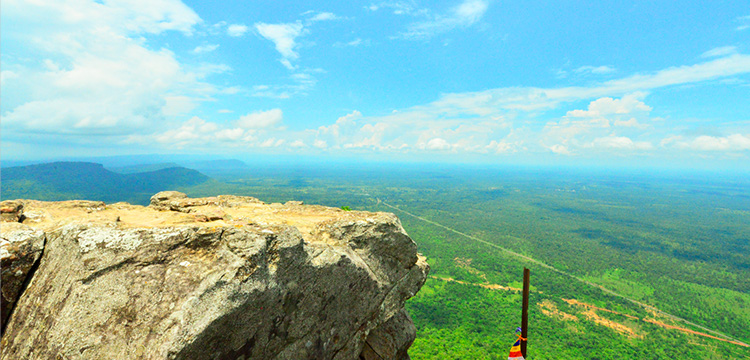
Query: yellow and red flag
[515, 351]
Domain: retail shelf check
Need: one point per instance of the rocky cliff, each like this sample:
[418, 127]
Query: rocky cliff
[225, 277]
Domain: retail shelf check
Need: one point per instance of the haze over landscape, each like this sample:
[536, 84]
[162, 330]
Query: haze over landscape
[663, 84]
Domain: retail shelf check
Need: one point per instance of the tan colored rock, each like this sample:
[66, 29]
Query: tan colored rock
[11, 211]
[20, 248]
[261, 281]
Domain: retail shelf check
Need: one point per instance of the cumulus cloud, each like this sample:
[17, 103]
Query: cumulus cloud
[510, 120]
[191, 130]
[464, 15]
[236, 30]
[298, 144]
[230, 134]
[630, 123]
[100, 76]
[503, 146]
[284, 37]
[343, 126]
[260, 119]
[607, 106]
[559, 149]
[437, 144]
[621, 143]
[198, 133]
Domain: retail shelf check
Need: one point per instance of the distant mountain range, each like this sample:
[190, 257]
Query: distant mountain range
[91, 181]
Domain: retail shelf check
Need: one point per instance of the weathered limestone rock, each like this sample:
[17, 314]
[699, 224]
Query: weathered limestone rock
[260, 281]
[20, 248]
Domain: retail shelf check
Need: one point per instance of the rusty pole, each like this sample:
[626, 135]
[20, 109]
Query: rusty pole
[525, 311]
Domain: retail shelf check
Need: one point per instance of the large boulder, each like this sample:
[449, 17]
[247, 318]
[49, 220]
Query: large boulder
[262, 281]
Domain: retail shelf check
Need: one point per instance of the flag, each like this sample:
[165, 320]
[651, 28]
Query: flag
[515, 351]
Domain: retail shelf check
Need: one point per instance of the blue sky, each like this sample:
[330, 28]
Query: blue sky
[606, 82]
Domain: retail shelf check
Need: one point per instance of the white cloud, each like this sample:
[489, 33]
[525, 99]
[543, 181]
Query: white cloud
[355, 42]
[720, 51]
[283, 36]
[744, 23]
[99, 74]
[230, 134]
[271, 142]
[320, 144]
[236, 30]
[532, 99]
[630, 123]
[470, 11]
[121, 17]
[197, 133]
[349, 118]
[191, 130]
[225, 111]
[599, 70]
[464, 15]
[178, 105]
[560, 149]
[500, 147]
[6, 75]
[509, 120]
[205, 48]
[734, 142]
[621, 143]
[297, 144]
[231, 90]
[260, 119]
[301, 84]
[572, 133]
[438, 144]
[717, 68]
[323, 16]
[398, 7]
[607, 106]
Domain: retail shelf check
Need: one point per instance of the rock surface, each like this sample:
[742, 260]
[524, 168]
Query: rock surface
[225, 277]
[20, 249]
[11, 211]
[390, 340]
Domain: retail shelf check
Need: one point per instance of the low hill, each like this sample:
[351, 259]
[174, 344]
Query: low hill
[83, 180]
[134, 169]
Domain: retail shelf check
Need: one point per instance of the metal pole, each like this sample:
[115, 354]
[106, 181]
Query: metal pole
[525, 311]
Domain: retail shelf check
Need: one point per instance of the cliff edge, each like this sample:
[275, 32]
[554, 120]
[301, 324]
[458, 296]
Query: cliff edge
[224, 277]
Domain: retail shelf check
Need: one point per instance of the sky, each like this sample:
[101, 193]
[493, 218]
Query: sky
[659, 83]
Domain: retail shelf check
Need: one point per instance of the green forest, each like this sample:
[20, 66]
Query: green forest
[679, 244]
